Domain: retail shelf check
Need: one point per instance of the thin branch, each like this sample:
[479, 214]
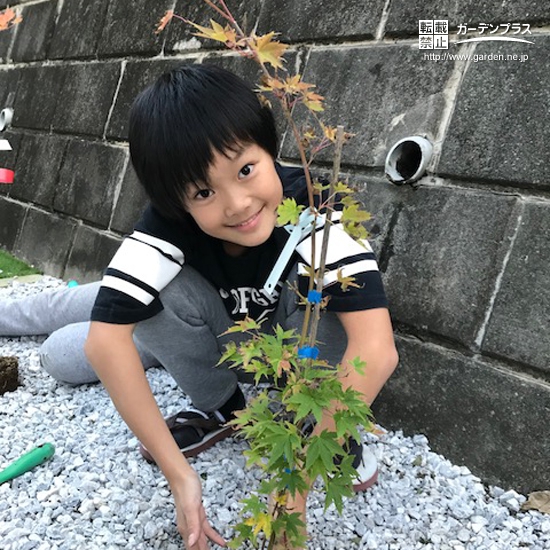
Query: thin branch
[328, 219]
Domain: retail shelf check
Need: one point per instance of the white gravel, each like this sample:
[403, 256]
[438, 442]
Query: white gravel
[97, 492]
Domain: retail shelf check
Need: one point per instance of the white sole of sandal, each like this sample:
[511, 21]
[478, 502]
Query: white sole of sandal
[367, 471]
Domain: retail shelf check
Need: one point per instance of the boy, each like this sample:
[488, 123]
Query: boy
[204, 148]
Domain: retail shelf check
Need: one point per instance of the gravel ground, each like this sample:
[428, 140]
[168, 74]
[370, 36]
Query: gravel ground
[97, 493]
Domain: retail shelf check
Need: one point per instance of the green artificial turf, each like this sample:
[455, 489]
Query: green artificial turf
[11, 266]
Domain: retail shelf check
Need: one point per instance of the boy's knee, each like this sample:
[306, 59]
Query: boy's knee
[63, 362]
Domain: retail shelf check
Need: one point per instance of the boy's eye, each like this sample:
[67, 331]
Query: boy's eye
[246, 170]
[203, 194]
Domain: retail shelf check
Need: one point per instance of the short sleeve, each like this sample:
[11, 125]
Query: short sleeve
[142, 266]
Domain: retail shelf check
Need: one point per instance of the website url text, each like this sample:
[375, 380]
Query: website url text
[446, 56]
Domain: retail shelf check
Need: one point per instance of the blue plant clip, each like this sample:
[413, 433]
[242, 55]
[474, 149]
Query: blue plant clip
[297, 233]
[307, 352]
[314, 297]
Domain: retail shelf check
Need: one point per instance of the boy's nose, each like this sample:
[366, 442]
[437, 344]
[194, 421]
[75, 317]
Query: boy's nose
[236, 204]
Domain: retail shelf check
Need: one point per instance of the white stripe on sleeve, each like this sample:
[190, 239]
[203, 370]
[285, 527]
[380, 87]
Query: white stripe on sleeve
[166, 247]
[127, 288]
[340, 246]
[141, 261]
[331, 277]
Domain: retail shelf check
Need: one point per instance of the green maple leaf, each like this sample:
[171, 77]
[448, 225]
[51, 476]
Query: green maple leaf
[342, 188]
[289, 212]
[322, 450]
[246, 325]
[352, 213]
[230, 354]
[358, 365]
[339, 486]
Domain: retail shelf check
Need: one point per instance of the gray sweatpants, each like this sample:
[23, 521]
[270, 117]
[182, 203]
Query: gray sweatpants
[184, 337]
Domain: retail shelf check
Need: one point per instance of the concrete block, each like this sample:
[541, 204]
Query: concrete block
[383, 201]
[444, 255]
[137, 76]
[380, 93]
[6, 38]
[129, 27]
[9, 80]
[37, 94]
[179, 35]
[88, 179]
[34, 33]
[86, 98]
[519, 323]
[250, 72]
[8, 159]
[12, 215]
[300, 20]
[512, 143]
[78, 29]
[130, 203]
[44, 241]
[91, 253]
[140, 74]
[37, 170]
[404, 16]
[476, 414]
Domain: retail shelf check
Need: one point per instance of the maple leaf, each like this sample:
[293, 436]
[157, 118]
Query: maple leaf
[342, 188]
[330, 132]
[245, 325]
[283, 365]
[539, 500]
[265, 101]
[8, 19]
[288, 212]
[271, 84]
[353, 214]
[346, 281]
[268, 50]
[260, 522]
[294, 85]
[313, 101]
[164, 20]
[216, 32]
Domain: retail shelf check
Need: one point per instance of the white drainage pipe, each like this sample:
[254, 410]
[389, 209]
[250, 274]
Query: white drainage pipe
[407, 160]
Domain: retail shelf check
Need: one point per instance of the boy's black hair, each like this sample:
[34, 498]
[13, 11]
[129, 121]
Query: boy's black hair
[177, 123]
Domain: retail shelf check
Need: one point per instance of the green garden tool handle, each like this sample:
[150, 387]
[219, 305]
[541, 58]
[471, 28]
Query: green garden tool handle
[27, 462]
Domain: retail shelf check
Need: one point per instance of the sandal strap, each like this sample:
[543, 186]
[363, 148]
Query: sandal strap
[191, 419]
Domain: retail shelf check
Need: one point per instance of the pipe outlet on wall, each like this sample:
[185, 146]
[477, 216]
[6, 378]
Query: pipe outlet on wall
[6, 116]
[407, 160]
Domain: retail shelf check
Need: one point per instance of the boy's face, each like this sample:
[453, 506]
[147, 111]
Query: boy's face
[239, 206]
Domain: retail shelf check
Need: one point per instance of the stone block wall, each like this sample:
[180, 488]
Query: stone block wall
[464, 253]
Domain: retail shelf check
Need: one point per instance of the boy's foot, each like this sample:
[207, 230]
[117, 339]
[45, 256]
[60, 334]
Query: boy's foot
[365, 463]
[195, 431]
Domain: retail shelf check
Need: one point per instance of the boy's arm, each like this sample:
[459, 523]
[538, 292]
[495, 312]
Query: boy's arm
[111, 351]
[370, 337]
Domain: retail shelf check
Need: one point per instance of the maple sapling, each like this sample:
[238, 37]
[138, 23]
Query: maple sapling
[281, 424]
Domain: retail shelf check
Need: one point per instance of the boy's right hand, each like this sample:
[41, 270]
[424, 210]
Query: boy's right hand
[192, 523]
[113, 355]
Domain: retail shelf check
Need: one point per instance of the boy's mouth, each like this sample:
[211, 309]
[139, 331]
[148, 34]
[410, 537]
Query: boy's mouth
[249, 222]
